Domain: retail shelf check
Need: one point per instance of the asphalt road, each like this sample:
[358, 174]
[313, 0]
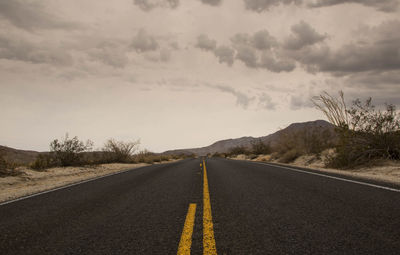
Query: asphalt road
[256, 209]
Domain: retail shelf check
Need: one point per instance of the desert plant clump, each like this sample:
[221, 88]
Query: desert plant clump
[260, 148]
[69, 151]
[365, 133]
[120, 151]
[238, 150]
[293, 144]
[7, 168]
[43, 161]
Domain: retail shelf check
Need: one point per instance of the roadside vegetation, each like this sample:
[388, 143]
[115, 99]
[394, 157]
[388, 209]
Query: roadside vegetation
[74, 152]
[7, 168]
[360, 135]
[365, 134]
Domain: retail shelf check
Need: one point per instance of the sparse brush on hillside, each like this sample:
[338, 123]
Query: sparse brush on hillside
[7, 168]
[120, 151]
[238, 150]
[365, 133]
[259, 148]
[292, 145]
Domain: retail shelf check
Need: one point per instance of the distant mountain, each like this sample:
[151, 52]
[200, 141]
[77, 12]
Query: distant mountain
[18, 156]
[224, 146]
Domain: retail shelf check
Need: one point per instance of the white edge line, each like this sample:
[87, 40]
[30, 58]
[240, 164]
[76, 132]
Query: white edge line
[331, 177]
[67, 186]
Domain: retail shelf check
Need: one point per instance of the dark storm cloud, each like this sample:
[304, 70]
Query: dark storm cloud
[143, 42]
[205, 43]
[212, 2]
[23, 50]
[303, 35]
[225, 54]
[381, 5]
[148, 5]
[379, 52]
[30, 15]
[265, 5]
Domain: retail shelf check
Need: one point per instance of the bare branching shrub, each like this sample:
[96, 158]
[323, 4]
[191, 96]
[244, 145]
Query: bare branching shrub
[120, 151]
[369, 134]
[259, 148]
[68, 152]
[334, 108]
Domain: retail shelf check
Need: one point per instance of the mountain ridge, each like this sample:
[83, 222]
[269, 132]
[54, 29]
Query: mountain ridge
[223, 146]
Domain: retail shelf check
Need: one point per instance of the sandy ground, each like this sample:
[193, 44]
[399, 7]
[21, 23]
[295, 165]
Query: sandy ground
[387, 171]
[30, 181]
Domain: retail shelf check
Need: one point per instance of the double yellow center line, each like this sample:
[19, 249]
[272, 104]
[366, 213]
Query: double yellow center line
[185, 243]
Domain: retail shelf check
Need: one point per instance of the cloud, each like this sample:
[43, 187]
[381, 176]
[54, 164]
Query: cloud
[381, 5]
[164, 55]
[262, 40]
[143, 42]
[242, 99]
[14, 48]
[225, 54]
[205, 43]
[303, 35]
[148, 5]
[212, 2]
[270, 62]
[379, 52]
[30, 15]
[247, 55]
[300, 101]
[110, 54]
[265, 102]
[265, 5]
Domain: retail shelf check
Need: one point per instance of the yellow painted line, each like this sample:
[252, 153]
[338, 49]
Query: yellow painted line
[209, 247]
[186, 239]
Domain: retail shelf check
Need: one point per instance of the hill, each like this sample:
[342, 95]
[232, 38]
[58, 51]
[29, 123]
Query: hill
[224, 146]
[18, 156]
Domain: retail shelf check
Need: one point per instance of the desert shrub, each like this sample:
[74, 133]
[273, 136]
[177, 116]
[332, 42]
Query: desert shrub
[292, 144]
[68, 152]
[258, 147]
[218, 155]
[7, 168]
[238, 150]
[365, 133]
[44, 161]
[119, 151]
[290, 155]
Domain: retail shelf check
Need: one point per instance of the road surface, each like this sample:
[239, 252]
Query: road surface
[216, 207]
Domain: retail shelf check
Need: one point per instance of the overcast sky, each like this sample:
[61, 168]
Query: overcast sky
[186, 73]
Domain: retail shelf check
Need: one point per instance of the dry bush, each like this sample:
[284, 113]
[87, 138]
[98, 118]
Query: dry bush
[44, 161]
[69, 151]
[120, 151]
[367, 134]
[259, 148]
[7, 168]
[293, 144]
[238, 150]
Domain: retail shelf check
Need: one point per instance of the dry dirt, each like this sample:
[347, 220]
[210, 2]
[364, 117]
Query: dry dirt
[387, 171]
[30, 181]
